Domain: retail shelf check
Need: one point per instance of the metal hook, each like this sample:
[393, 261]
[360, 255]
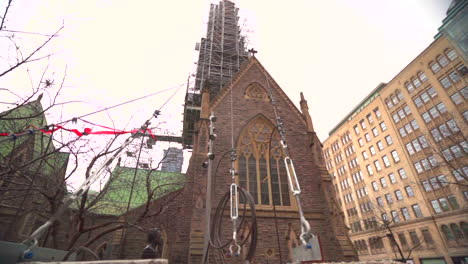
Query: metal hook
[237, 252]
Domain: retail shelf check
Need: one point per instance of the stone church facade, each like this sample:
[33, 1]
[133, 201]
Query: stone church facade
[259, 172]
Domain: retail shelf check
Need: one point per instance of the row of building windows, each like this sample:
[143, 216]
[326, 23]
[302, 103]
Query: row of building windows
[404, 213]
[341, 170]
[357, 177]
[350, 150]
[415, 241]
[353, 163]
[434, 112]
[348, 198]
[401, 113]
[369, 118]
[408, 128]
[451, 232]
[417, 145]
[378, 167]
[383, 182]
[435, 183]
[345, 184]
[453, 77]
[346, 138]
[443, 130]
[416, 81]
[454, 232]
[394, 99]
[457, 98]
[426, 164]
[455, 151]
[352, 211]
[445, 204]
[338, 158]
[424, 97]
[442, 61]
[362, 192]
[398, 195]
[461, 174]
[366, 207]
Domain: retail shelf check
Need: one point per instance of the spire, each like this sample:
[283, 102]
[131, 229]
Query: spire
[305, 113]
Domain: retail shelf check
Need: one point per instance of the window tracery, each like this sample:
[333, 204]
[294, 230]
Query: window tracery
[263, 174]
[256, 91]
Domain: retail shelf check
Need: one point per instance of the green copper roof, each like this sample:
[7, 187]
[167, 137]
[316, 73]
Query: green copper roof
[116, 194]
[20, 119]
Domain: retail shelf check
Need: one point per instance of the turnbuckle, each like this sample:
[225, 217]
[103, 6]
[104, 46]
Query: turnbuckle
[234, 203]
[292, 177]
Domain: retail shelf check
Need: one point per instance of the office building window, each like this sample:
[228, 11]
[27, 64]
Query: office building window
[436, 206]
[367, 136]
[375, 131]
[395, 156]
[386, 161]
[445, 82]
[380, 145]
[375, 186]
[443, 61]
[398, 195]
[409, 86]
[389, 198]
[377, 165]
[454, 77]
[370, 170]
[377, 113]
[370, 119]
[395, 216]
[452, 55]
[414, 238]
[361, 142]
[389, 140]
[444, 204]
[456, 98]
[372, 150]
[435, 67]
[392, 178]
[409, 191]
[417, 211]
[383, 182]
[453, 202]
[422, 76]
[402, 173]
[380, 201]
[405, 213]
[383, 126]
[364, 155]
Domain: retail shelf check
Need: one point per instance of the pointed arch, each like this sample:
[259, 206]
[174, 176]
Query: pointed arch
[262, 172]
[256, 91]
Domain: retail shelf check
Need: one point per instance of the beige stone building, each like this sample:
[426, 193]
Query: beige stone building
[399, 162]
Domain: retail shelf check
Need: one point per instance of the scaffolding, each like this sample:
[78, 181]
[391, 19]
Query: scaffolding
[221, 53]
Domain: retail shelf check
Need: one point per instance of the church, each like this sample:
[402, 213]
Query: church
[236, 121]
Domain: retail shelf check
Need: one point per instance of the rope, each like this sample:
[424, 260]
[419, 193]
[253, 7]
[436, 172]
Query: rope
[14, 136]
[306, 233]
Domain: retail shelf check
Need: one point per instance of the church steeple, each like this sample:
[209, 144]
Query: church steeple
[305, 113]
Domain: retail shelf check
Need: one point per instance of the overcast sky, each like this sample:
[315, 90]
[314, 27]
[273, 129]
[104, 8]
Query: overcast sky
[335, 51]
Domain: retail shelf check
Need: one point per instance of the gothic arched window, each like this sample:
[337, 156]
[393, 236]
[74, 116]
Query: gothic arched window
[447, 233]
[263, 174]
